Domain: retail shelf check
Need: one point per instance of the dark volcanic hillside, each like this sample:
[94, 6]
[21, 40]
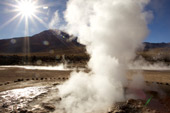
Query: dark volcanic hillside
[149, 46]
[156, 52]
[46, 41]
[55, 42]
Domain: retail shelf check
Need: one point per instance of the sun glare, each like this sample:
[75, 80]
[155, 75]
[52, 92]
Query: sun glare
[26, 8]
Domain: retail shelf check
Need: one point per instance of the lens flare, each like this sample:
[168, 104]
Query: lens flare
[27, 8]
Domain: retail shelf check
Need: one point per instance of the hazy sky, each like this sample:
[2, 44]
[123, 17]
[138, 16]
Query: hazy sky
[50, 10]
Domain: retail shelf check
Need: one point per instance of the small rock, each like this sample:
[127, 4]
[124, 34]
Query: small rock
[119, 111]
[5, 105]
[12, 112]
[48, 106]
[140, 106]
[124, 107]
[23, 111]
[55, 84]
[38, 110]
[130, 101]
[29, 112]
[58, 99]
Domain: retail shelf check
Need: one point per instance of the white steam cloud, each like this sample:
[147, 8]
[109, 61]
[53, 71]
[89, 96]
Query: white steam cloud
[142, 64]
[112, 30]
[55, 20]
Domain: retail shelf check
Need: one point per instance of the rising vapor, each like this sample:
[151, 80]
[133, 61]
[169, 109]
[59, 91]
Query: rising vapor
[55, 20]
[112, 30]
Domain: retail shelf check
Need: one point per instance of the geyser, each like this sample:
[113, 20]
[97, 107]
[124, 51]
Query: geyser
[112, 30]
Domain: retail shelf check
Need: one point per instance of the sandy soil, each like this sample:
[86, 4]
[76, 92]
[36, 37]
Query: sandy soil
[162, 76]
[14, 76]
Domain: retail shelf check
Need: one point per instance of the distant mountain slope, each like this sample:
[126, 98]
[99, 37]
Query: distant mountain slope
[46, 41]
[148, 45]
[156, 52]
[53, 42]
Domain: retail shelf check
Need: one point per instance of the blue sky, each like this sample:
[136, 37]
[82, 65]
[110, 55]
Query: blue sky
[13, 29]
[159, 26]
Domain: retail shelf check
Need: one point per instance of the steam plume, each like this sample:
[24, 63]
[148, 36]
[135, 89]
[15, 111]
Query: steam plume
[112, 30]
[55, 20]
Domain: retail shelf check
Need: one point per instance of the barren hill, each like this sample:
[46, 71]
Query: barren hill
[49, 41]
[56, 42]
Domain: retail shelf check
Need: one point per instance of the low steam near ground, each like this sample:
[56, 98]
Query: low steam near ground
[142, 64]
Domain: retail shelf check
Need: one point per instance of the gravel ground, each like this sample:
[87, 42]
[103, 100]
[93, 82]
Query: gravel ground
[19, 87]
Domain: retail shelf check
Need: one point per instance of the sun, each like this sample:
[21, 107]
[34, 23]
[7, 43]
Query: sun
[26, 8]
[26, 12]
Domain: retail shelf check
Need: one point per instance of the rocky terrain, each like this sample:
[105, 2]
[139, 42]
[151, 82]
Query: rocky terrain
[44, 99]
[36, 91]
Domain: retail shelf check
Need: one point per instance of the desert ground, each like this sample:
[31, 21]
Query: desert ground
[156, 85]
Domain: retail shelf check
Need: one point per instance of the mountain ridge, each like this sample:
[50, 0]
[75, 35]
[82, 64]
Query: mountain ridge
[55, 41]
[45, 41]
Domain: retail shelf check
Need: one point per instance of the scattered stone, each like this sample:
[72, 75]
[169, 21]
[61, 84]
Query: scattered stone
[6, 83]
[38, 110]
[5, 105]
[55, 84]
[12, 112]
[19, 80]
[130, 106]
[29, 112]
[58, 99]
[23, 111]
[130, 101]
[48, 106]
[119, 111]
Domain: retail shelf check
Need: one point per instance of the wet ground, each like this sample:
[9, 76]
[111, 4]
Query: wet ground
[28, 100]
[12, 100]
